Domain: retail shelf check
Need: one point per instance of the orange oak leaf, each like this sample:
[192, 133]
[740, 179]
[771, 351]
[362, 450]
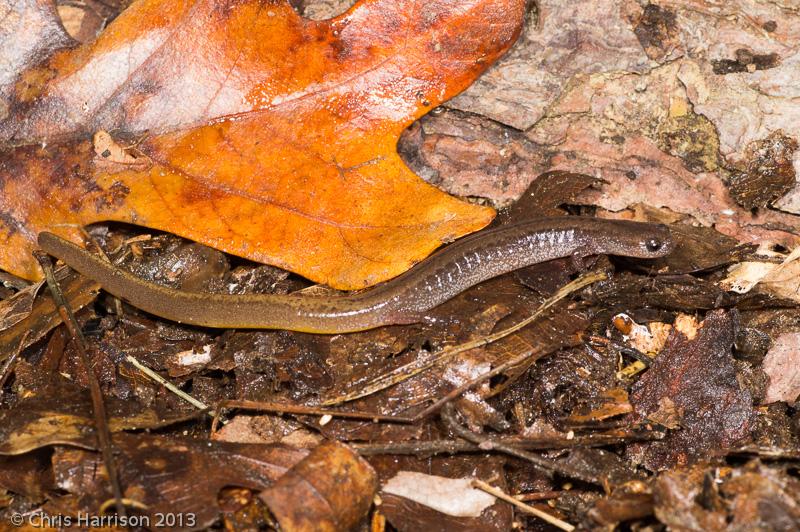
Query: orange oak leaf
[241, 125]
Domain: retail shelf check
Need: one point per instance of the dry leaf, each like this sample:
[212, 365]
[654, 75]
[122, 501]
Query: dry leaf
[163, 474]
[698, 377]
[782, 279]
[335, 487]
[782, 365]
[248, 128]
[451, 496]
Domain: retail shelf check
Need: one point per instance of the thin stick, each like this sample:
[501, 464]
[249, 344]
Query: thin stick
[98, 405]
[542, 495]
[169, 386]
[433, 447]
[284, 408]
[544, 516]
[448, 415]
[409, 370]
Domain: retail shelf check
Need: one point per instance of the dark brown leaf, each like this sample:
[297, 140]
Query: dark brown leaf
[165, 474]
[698, 376]
[59, 412]
[330, 489]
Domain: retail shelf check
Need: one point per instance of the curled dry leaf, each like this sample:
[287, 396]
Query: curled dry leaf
[256, 131]
[782, 279]
[334, 487]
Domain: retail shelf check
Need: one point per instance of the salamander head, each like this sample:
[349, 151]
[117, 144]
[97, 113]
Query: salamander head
[635, 239]
[657, 246]
[653, 241]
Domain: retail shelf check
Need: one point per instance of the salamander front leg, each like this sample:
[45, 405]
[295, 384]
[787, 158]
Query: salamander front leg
[579, 263]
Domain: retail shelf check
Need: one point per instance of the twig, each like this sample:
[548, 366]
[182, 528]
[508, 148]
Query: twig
[283, 408]
[542, 495]
[98, 406]
[409, 370]
[43, 315]
[169, 386]
[298, 409]
[429, 362]
[487, 443]
[544, 516]
[432, 447]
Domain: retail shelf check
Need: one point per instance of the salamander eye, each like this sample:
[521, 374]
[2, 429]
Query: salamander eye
[653, 244]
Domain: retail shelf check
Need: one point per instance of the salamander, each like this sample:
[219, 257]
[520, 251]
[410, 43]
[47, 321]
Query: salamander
[404, 299]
